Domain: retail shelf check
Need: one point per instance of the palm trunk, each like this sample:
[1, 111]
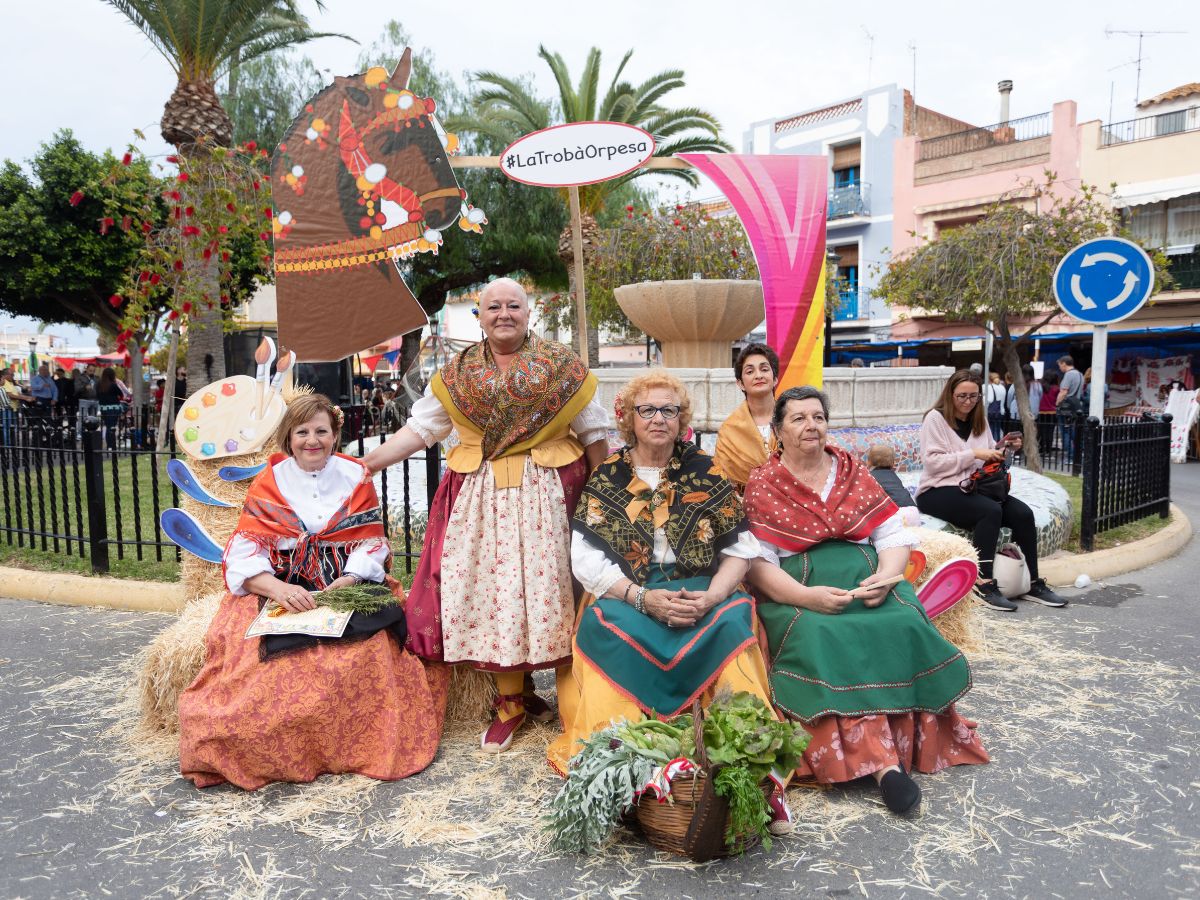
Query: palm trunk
[201, 283]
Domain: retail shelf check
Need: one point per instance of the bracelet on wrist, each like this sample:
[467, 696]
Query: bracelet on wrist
[639, 602]
[625, 595]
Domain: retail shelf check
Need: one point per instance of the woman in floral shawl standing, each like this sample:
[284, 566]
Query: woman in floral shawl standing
[493, 588]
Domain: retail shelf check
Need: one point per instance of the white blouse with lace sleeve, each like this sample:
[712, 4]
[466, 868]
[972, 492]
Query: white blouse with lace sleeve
[314, 496]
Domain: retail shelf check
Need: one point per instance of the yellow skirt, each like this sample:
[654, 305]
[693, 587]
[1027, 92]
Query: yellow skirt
[588, 702]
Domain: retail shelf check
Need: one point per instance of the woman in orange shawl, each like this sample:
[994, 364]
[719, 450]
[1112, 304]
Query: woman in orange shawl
[289, 707]
[746, 438]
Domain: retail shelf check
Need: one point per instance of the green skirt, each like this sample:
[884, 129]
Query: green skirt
[862, 661]
[659, 668]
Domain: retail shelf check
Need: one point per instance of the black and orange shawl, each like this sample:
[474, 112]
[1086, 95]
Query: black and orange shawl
[792, 516]
[318, 557]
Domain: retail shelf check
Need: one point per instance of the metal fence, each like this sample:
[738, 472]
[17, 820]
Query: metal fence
[849, 200]
[1162, 125]
[1126, 473]
[1010, 132]
[66, 491]
[1058, 447]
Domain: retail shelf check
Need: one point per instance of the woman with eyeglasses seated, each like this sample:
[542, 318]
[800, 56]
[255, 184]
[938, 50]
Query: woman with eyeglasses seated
[955, 441]
[659, 541]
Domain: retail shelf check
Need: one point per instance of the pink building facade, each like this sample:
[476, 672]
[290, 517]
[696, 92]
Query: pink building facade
[950, 180]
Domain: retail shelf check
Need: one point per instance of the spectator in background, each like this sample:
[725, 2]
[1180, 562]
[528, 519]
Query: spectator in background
[66, 393]
[993, 397]
[1087, 390]
[44, 392]
[393, 418]
[1046, 410]
[11, 398]
[857, 363]
[1069, 404]
[1010, 397]
[882, 460]
[1034, 387]
[181, 392]
[85, 392]
[108, 395]
[160, 390]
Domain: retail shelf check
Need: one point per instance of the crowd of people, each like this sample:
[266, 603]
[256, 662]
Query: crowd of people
[646, 578]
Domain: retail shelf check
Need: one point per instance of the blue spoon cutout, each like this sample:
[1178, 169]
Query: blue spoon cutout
[239, 473]
[183, 529]
[181, 475]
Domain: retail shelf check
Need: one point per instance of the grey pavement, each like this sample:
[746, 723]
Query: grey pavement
[1091, 715]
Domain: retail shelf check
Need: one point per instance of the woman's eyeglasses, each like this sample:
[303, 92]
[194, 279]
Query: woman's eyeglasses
[966, 398]
[647, 411]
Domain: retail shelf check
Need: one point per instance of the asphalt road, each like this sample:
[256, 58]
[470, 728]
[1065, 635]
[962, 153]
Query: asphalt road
[1091, 714]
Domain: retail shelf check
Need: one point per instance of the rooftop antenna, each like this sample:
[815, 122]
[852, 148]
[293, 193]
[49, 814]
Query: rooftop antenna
[1109, 32]
[912, 48]
[870, 53]
[1112, 86]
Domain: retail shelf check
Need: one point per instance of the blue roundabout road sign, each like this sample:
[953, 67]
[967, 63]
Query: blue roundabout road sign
[1104, 280]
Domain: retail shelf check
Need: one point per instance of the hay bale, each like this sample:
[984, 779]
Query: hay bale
[472, 693]
[171, 662]
[960, 624]
[200, 578]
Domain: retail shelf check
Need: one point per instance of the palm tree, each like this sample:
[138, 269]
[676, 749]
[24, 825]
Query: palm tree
[505, 108]
[201, 41]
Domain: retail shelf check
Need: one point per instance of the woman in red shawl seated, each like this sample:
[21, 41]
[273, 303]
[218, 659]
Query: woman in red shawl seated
[853, 656]
[292, 707]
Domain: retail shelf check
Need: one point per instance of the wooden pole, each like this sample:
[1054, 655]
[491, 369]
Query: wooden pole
[580, 289]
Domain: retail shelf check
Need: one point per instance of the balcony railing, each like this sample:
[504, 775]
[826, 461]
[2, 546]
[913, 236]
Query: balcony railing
[850, 200]
[847, 305]
[1147, 127]
[1185, 269]
[1010, 132]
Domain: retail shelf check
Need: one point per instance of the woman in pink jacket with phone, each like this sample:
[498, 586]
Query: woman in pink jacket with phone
[956, 443]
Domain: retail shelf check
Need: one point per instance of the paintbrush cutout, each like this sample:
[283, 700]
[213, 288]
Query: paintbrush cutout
[264, 355]
[285, 364]
[185, 480]
[183, 530]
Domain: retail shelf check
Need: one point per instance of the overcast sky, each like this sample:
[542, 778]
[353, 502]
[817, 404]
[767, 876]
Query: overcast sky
[78, 64]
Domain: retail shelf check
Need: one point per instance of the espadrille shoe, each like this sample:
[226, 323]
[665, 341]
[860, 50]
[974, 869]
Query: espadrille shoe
[499, 735]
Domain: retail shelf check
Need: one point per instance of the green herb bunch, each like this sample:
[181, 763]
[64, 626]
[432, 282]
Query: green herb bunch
[359, 598]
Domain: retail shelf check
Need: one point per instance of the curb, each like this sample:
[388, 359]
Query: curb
[91, 590]
[1100, 564]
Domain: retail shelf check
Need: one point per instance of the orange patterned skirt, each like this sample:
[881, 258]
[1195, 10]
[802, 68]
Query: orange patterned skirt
[844, 748]
[367, 707]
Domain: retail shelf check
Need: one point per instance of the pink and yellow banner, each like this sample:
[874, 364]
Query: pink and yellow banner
[781, 201]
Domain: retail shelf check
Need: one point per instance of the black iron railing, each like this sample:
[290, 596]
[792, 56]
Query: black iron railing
[64, 491]
[1185, 269]
[1010, 132]
[1147, 127]
[1126, 474]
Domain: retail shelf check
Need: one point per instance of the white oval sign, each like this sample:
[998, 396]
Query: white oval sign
[576, 153]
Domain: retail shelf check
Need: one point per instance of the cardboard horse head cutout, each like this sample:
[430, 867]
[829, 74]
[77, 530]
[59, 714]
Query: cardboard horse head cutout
[362, 182]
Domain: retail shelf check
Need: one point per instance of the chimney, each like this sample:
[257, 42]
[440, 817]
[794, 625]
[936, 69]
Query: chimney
[1005, 88]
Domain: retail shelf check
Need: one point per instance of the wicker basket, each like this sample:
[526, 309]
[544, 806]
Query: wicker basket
[669, 825]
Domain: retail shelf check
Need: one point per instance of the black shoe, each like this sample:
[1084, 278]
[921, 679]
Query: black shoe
[993, 599]
[900, 793]
[1040, 592]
